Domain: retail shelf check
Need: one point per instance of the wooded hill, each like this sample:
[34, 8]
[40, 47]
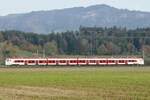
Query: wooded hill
[86, 41]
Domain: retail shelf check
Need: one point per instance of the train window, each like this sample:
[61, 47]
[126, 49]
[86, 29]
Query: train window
[81, 61]
[102, 61]
[62, 61]
[92, 61]
[111, 61]
[121, 61]
[73, 61]
[18, 61]
[42, 61]
[31, 61]
[132, 60]
[51, 61]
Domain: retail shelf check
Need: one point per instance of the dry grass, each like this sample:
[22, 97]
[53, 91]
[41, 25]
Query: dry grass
[26, 93]
[40, 93]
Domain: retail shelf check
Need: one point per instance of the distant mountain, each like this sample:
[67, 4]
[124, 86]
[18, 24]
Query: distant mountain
[73, 18]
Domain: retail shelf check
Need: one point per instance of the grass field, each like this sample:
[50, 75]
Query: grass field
[98, 83]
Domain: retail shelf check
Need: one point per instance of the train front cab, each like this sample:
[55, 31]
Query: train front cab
[8, 62]
[14, 61]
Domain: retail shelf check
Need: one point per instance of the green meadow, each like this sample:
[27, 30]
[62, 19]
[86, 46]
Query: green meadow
[74, 83]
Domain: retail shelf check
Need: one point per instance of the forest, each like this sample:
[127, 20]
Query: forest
[87, 41]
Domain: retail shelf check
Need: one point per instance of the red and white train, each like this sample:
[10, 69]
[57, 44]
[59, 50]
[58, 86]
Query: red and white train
[75, 61]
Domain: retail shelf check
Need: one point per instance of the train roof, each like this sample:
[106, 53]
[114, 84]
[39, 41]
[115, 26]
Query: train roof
[81, 57]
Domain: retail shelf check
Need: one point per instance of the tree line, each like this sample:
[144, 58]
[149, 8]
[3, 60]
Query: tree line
[85, 41]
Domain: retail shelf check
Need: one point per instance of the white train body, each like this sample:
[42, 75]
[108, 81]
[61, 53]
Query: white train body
[74, 61]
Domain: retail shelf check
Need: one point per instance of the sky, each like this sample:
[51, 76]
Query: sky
[24, 6]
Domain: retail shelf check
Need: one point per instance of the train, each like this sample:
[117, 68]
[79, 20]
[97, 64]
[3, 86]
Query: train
[77, 61]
